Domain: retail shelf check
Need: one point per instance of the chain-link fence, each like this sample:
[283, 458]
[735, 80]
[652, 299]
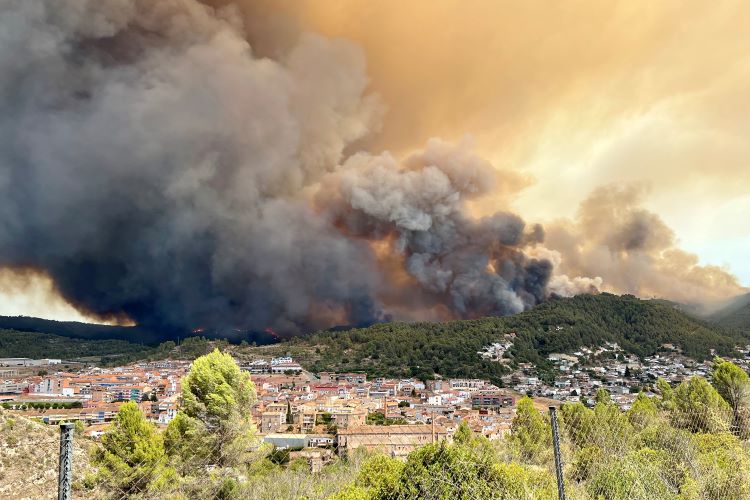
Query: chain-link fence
[689, 441]
[658, 448]
[654, 449]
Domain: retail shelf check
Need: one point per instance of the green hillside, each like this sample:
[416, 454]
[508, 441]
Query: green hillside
[560, 325]
[735, 315]
[15, 344]
[23, 344]
[450, 348]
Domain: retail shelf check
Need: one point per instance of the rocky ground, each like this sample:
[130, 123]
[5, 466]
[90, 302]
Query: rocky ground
[29, 453]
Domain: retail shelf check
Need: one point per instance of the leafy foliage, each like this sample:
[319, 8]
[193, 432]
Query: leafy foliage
[530, 432]
[676, 446]
[462, 470]
[733, 384]
[699, 407]
[378, 418]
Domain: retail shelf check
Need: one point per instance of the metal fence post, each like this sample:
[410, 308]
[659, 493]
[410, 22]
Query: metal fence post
[65, 476]
[558, 459]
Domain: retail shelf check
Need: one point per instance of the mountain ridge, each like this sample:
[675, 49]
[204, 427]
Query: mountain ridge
[559, 325]
[451, 348]
[736, 314]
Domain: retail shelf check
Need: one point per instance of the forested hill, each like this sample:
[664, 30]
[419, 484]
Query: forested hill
[134, 334]
[450, 349]
[639, 326]
[74, 329]
[735, 315]
[559, 325]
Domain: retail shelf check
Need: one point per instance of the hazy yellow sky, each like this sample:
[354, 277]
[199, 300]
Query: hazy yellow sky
[567, 98]
[33, 294]
[572, 95]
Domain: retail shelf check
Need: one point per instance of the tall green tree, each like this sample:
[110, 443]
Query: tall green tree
[530, 431]
[289, 416]
[643, 412]
[131, 459]
[216, 401]
[733, 384]
[698, 407]
[463, 433]
[602, 396]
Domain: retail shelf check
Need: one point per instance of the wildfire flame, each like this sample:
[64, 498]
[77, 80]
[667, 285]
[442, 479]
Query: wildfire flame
[271, 331]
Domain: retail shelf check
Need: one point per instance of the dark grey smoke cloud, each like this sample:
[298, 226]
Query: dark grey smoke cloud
[155, 167]
[475, 266]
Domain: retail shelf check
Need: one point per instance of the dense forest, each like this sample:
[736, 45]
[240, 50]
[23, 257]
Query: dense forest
[559, 325]
[735, 315]
[450, 349]
[74, 329]
[15, 344]
[135, 334]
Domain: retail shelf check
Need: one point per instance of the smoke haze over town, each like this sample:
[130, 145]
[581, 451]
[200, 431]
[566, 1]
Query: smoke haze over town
[296, 165]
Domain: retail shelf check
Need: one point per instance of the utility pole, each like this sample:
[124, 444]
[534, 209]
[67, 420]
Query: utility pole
[558, 458]
[65, 475]
[433, 426]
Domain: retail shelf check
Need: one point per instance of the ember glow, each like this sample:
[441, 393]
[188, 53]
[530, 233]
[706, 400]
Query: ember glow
[271, 332]
[259, 165]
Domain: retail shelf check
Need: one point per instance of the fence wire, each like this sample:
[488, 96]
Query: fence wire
[653, 450]
[660, 448]
[36, 459]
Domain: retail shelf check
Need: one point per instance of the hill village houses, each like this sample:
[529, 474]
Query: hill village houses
[299, 410]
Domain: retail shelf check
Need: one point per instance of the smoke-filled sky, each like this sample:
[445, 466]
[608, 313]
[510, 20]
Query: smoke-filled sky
[301, 164]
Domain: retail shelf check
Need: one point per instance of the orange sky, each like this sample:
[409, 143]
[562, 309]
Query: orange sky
[571, 95]
[565, 96]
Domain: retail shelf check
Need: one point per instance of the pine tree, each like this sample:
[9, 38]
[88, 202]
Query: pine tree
[529, 430]
[699, 407]
[132, 458]
[733, 384]
[216, 401]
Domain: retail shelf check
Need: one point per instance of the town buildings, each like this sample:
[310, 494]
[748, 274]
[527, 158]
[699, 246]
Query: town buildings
[394, 440]
[317, 416]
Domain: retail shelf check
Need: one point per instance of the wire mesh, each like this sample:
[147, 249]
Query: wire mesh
[28, 468]
[682, 445]
[652, 450]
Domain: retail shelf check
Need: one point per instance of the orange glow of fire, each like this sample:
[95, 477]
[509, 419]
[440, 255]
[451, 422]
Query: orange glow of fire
[271, 331]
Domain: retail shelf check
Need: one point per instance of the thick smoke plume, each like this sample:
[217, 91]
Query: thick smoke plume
[471, 266]
[187, 164]
[613, 237]
[155, 167]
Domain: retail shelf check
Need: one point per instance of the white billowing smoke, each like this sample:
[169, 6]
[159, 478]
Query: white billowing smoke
[613, 236]
[155, 167]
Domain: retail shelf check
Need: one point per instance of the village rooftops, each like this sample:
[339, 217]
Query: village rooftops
[393, 429]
